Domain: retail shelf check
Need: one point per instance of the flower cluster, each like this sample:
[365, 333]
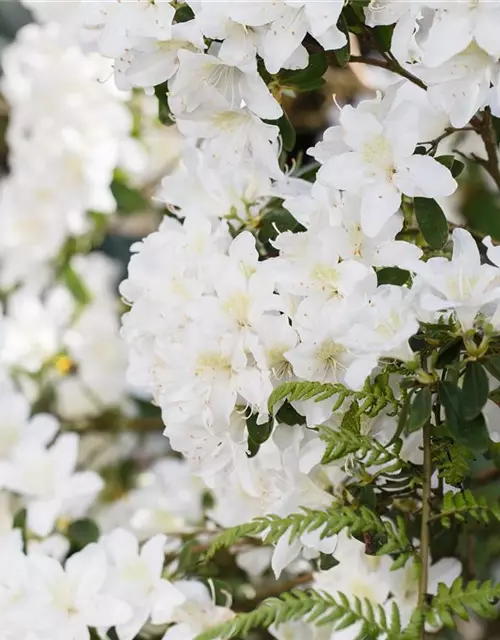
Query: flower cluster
[321, 348]
[65, 134]
[112, 583]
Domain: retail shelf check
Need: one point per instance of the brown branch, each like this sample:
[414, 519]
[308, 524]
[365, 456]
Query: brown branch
[274, 590]
[487, 133]
[389, 66]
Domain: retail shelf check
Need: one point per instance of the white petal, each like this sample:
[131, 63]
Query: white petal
[284, 554]
[345, 171]
[424, 176]
[359, 370]
[380, 201]
[258, 97]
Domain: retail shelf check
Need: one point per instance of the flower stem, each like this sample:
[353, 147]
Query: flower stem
[424, 528]
[491, 145]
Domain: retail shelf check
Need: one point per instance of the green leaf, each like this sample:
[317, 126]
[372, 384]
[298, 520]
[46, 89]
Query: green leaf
[257, 434]
[20, 522]
[128, 200]
[164, 113]
[431, 222]
[76, 286]
[449, 353]
[83, 532]
[277, 221]
[481, 208]
[307, 79]
[288, 415]
[383, 36]
[343, 55]
[475, 390]
[472, 433]
[404, 415]
[393, 275]
[287, 132]
[450, 162]
[492, 364]
[183, 13]
[420, 411]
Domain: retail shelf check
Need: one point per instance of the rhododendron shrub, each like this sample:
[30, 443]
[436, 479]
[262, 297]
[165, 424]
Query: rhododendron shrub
[285, 419]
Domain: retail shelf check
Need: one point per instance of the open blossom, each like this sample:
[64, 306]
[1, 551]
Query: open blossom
[373, 154]
[135, 578]
[233, 136]
[461, 85]
[150, 62]
[462, 284]
[48, 483]
[455, 26]
[77, 129]
[75, 598]
[225, 87]
[198, 614]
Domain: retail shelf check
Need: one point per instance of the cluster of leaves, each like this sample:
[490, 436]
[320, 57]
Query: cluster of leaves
[339, 612]
[357, 521]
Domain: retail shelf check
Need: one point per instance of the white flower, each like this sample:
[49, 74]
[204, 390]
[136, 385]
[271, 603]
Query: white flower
[47, 481]
[404, 43]
[455, 26]
[197, 614]
[387, 324]
[233, 137]
[113, 27]
[311, 544]
[461, 85]
[17, 429]
[150, 62]
[201, 186]
[74, 596]
[375, 158]
[135, 578]
[461, 284]
[203, 80]
[291, 21]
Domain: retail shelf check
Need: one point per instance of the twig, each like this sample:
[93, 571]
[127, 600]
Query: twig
[389, 66]
[274, 590]
[424, 527]
[487, 133]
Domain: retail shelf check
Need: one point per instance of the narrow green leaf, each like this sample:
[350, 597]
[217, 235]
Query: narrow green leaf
[431, 222]
[474, 391]
[164, 112]
[420, 411]
[403, 417]
[76, 286]
[20, 522]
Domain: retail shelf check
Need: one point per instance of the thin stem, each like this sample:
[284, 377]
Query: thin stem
[274, 590]
[489, 137]
[424, 528]
[390, 66]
